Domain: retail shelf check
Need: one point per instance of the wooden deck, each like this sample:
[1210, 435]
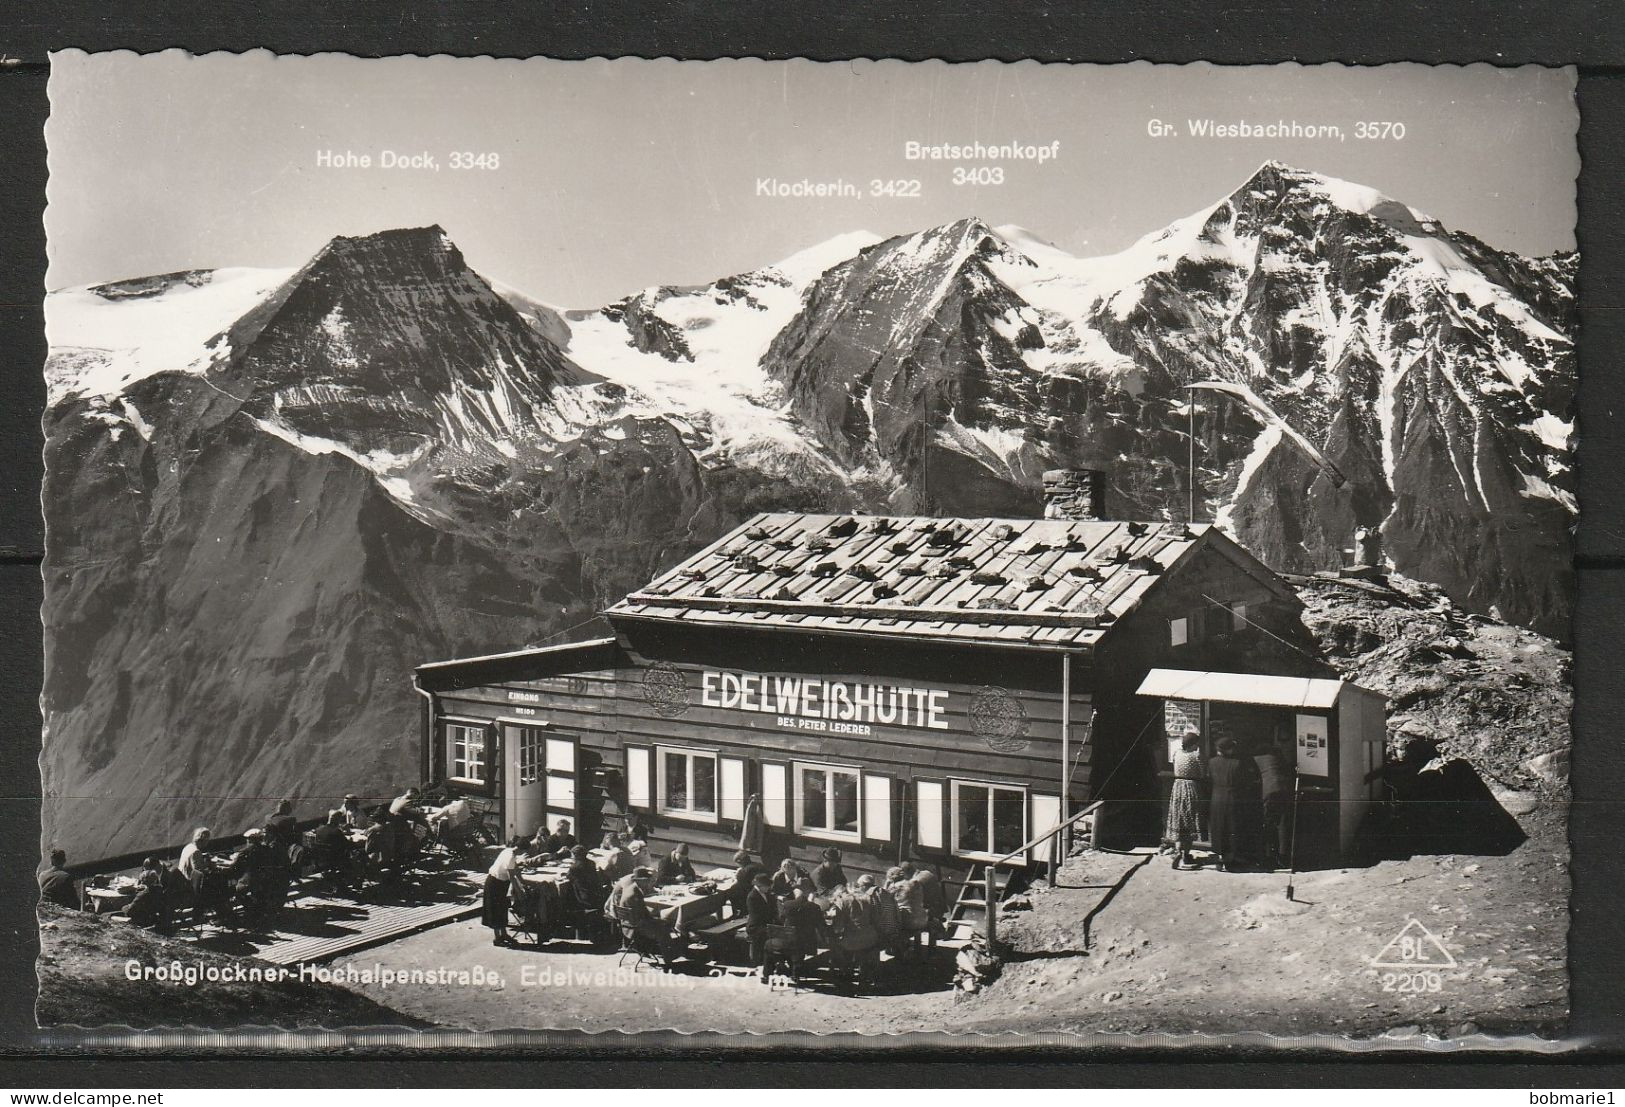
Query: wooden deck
[316, 927]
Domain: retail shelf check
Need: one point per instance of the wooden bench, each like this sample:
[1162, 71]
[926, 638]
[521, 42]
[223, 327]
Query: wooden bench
[721, 932]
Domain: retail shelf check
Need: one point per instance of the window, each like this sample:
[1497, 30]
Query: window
[1238, 616]
[530, 755]
[989, 819]
[688, 784]
[465, 753]
[826, 801]
[1177, 632]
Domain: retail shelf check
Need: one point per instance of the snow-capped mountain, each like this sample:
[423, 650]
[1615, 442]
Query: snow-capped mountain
[1396, 375]
[271, 493]
[694, 355]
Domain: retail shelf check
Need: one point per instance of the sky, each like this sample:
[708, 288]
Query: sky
[611, 176]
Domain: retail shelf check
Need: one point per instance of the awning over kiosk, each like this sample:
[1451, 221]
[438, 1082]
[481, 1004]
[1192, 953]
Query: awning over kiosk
[1276, 691]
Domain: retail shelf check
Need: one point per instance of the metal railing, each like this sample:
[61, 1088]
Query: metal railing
[1053, 836]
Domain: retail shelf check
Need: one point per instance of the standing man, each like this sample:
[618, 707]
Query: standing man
[744, 880]
[1275, 810]
[56, 884]
[761, 912]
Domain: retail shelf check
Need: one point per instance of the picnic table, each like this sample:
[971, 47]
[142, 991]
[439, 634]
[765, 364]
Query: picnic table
[680, 905]
[108, 900]
[676, 904]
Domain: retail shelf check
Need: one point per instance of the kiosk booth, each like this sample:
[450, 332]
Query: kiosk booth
[1332, 731]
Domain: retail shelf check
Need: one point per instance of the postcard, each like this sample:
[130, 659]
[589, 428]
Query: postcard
[900, 552]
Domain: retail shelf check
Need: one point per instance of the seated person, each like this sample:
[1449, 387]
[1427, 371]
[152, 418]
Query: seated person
[829, 876]
[805, 921]
[261, 880]
[56, 885]
[282, 827]
[406, 806]
[637, 830]
[354, 817]
[586, 889]
[381, 843]
[177, 889]
[446, 821]
[744, 879]
[561, 841]
[150, 907]
[330, 846]
[888, 918]
[910, 896]
[211, 887]
[936, 900]
[675, 867]
[635, 918]
[788, 876]
[194, 858]
[618, 865]
[641, 857]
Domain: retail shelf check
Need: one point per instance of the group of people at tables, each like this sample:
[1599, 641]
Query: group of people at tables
[253, 881]
[787, 914]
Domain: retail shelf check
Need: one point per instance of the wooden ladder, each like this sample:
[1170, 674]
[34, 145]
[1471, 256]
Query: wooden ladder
[970, 909]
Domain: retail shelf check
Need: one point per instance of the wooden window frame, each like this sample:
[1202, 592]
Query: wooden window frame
[632, 752]
[929, 813]
[483, 729]
[732, 808]
[689, 814]
[533, 771]
[850, 837]
[992, 786]
[775, 808]
[879, 800]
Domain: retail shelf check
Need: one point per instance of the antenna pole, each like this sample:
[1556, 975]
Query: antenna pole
[1190, 410]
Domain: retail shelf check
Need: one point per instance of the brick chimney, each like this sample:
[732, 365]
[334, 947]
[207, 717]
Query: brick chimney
[1077, 494]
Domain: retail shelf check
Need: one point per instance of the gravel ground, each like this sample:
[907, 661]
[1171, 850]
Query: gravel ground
[1172, 953]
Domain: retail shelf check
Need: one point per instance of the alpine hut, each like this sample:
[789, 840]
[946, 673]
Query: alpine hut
[942, 690]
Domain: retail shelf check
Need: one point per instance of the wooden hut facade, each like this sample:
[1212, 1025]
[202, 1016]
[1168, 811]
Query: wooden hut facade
[934, 689]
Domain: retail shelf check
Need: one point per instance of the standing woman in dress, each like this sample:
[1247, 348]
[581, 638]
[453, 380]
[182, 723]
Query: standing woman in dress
[495, 909]
[1183, 826]
[1235, 784]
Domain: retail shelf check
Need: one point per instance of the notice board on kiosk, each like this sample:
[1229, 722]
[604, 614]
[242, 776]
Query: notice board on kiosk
[1313, 746]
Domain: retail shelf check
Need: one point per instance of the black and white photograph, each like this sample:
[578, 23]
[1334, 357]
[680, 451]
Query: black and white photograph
[870, 551]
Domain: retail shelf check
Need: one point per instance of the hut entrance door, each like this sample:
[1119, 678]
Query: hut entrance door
[560, 755]
[525, 777]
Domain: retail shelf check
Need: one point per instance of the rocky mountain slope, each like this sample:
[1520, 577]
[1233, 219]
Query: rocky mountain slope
[1497, 695]
[270, 493]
